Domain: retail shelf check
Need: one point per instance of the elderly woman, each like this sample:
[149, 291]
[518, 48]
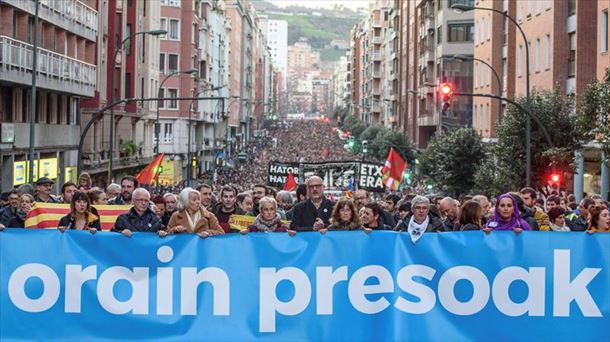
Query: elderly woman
[268, 220]
[81, 216]
[344, 217]
[506, 216]
[421, 220]
[26, 202]
[192, 217]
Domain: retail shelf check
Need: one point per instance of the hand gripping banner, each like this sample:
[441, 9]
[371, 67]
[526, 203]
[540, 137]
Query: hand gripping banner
[338, 286]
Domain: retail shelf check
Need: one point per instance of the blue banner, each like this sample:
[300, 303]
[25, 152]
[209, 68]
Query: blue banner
[338, 286]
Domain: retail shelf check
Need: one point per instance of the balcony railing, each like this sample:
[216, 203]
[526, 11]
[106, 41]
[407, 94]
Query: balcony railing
[55, 71]
[376, 56]
[71, 15]
[377, 40]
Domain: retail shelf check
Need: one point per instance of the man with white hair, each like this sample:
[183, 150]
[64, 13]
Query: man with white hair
[313, 213]
[140, 218]
[171, 201]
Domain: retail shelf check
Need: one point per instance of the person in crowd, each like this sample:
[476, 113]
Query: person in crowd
[112, 191]
[344, 216]
[67, 191]
[390, 204]
[160, 209]
[450, 212]
[525, 212]
[552, 202]
[171, 201]
[598, 199]
[26, 202]
[84, 182]
[558, 220]
[301, 192]
[128, 186]
[3, 199]
[362, 198]
[97, 197]
[268, 220]
[284, 202]
[192, 217]
[140, 218]
[245, 202]
[227, 207]
[436, 201]
[529, 197]
[80, 217]
[44, 187]
[8, 212]
[599, 219]
[404, 208]
[506, 216]
[258, 191]
[471, 215]
[421, 220]
[580, 219]
[485, 205]
[370, 215]
[313, 213]
[207, 198]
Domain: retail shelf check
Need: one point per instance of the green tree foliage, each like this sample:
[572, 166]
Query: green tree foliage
[451, 159]
[592, 120]
[386, 139]
[504, 167]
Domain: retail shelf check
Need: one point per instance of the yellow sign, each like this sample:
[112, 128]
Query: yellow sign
[172, 172]
[42, 168]
[241, 222]
[70, 174]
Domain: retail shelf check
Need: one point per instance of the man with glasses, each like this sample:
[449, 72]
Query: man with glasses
[258, 191]
[10, 211]
[140, 218]
[313, 213]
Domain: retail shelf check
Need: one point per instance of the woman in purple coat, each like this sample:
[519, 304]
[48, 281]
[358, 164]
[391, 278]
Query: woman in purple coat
[506, 216]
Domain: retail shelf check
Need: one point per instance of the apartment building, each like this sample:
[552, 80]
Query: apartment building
[67, 33]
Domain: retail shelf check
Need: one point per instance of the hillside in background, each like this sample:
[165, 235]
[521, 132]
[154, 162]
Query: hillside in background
[319, 26]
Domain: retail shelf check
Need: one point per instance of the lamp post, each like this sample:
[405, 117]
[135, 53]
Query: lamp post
[528, 122]
[157, 126]
[117, 50]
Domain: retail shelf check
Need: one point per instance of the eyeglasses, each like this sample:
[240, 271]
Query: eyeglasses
[311, 186]
[420, 208]
[141, 200]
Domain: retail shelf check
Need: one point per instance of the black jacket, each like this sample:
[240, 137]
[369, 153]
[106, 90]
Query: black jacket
[68, 221]
[435, 225]
[6, 215]
[118, 200]
[16, 222]
[528, 215]
[305, 214]
[148, 222]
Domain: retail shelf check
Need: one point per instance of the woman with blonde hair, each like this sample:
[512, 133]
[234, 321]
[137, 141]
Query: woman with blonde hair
[192, 217]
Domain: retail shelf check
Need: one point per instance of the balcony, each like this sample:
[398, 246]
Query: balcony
[70, 15]
[376, 56]
[427, 120]
[55, 72]
[376, 73]
[377, 40]
[47, 135]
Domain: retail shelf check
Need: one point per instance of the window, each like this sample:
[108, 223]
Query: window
[173, 93]
[174, 29]
[172, 65]
[167, 133]
[127, 85]
[174, 3]
[164, 2]
[528, 8]
[128, 42]
[519, 60]
[194, 34]
[572, 55]
[489, 27]
[519, 11]
[481, 31]
[439, 35]
[571, 7]
[161, 103]
[604, 33]
[162, 63]
[460, 32]
[505, 30]
[538, 7]
[163, 25]
[504, 73]
[549, 4]
[547, 52]
[537, 56]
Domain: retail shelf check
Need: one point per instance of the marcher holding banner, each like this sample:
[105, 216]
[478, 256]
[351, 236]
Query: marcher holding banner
[26, 202]
[81, 216]
[506, 216]
[140, 218]
[192, 217]
[344, 217]
[599, 219]
[268, 220]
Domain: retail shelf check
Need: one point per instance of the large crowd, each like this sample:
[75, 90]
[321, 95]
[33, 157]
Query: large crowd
[207, 210]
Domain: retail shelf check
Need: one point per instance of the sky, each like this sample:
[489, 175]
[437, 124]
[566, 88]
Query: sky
[352, 4]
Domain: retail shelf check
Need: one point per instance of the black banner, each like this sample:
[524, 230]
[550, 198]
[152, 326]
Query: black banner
[342, 175]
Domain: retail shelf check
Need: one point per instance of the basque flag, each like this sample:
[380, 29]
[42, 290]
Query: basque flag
[393, 169]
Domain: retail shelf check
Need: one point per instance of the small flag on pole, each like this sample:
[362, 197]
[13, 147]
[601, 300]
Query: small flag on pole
[393, 169]
[291, 183]
[151, 172]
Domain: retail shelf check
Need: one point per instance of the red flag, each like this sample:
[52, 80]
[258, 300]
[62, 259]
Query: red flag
[325, 152]
[393, 169]
[151, 171]
[290, 182]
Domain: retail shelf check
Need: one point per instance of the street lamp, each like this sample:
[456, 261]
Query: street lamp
[528, 123]
[157, 125]
[117, 50]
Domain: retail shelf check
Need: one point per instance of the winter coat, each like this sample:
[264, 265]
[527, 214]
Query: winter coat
[147, 222]
[305, 214]
[207, 223]
[69, 221]
[435, 225]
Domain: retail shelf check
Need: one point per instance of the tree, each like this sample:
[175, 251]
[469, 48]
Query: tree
[451, 159]
[592, 121]
[387, 139]
[506, 169]
[369, 135]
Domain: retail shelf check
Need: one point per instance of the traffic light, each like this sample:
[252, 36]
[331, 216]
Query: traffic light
[446, 90]
[407, 176]
[365, 147]
[351, 143]
[554, 180]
